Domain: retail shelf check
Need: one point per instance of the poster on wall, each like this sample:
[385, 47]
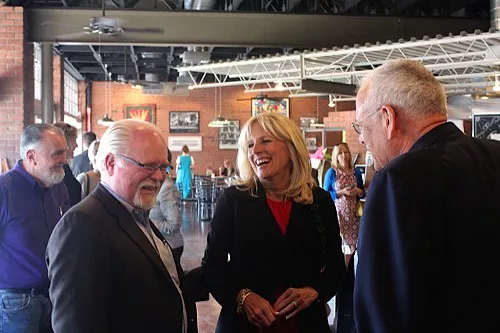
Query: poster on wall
[262, 105]
[194, 143]
[486, 125]
[184, 122]
[229, 134]
[144, 112]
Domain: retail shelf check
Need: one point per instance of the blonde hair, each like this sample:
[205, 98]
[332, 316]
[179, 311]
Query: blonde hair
[283, 129]
[407, 85]
[117, 138]
[335, 156]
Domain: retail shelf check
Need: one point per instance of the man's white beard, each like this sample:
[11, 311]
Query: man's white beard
[55, 177]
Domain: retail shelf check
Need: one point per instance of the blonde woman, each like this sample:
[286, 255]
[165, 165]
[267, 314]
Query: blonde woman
[281, 234]
[89, 180]
[345, 185]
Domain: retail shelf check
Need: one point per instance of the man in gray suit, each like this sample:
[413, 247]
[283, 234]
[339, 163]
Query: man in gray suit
[110, 269]
[81, 163]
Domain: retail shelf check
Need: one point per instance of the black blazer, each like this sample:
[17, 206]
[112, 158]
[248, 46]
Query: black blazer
[263, 259]
[105, 276]
[74, 187]
[428, 244]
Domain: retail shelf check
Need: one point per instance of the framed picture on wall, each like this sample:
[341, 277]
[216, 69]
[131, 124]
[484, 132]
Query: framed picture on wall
[146, 112]
[307, 121]
[262, 105]
[194, 143]
[486, 125]
[184, 122]
[229, 134]
[311, 143]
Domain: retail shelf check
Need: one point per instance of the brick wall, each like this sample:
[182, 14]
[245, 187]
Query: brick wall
[111, 97]
[16, 82]
[345, 119]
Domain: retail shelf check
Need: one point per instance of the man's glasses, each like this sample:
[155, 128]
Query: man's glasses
[357, 124]
[151, 168]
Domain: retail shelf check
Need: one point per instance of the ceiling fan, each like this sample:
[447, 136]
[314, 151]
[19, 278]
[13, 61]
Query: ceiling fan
[106, 26]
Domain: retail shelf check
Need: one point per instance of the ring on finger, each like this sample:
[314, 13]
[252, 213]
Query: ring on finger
[295, 304]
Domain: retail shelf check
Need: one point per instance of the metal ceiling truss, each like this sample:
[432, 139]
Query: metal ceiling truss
[463, 64]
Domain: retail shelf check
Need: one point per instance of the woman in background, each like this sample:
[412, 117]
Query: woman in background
[345, 185]
[281, 234]
[166, 215]
[90, 179]
[183, 166]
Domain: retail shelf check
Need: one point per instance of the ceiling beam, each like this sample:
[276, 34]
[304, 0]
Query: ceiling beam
[231, 28]
[134, 58]
[333, 88]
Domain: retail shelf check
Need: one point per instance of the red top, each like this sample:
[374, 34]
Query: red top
[281, 212]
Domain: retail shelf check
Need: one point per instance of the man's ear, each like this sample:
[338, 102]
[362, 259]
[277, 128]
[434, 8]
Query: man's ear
[389, 121]
[109, 163]
[31, 156]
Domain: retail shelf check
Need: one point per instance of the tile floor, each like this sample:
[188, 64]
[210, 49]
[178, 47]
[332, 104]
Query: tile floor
[195, 240]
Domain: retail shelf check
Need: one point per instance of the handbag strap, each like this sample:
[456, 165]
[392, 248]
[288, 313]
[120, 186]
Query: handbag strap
[320, 226]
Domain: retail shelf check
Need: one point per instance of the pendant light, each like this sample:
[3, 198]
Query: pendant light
[106, 120]
[317, 122]
[218, 120]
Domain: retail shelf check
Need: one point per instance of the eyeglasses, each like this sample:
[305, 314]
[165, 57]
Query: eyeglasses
[151, 168]
[357, 124]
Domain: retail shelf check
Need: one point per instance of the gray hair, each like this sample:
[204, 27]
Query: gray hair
[33, 135]
[117, 138]
[92, 152]
[406, 85]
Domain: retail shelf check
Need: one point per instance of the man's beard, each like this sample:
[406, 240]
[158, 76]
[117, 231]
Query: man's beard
[54, 177]
[146, 202]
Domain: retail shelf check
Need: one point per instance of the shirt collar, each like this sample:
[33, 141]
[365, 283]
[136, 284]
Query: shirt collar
[19, 168]
[127, 206]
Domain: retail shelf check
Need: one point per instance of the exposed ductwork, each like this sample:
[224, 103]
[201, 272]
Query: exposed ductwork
[199, 4]
[495, 14]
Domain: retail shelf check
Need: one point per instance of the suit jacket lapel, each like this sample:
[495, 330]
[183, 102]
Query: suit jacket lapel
[127, 223]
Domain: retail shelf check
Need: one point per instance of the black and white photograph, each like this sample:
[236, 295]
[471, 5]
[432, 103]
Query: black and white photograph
[229, 134]
[184, 122]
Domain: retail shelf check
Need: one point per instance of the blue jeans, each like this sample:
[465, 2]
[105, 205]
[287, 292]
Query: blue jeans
[24, 313]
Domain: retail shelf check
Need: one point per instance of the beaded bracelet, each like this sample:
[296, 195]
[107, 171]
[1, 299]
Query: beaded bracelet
[242, 295]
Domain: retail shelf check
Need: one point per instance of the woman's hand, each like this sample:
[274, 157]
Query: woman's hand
[258, 311]
[294, 300]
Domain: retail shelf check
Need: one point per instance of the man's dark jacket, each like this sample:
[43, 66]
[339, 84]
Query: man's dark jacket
[429, 240]
[105, 275]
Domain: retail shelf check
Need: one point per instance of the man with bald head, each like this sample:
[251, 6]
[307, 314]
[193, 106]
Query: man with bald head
[428, 244]
[110, 269]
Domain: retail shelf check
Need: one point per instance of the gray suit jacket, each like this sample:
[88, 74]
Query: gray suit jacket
[80, 163]
[106, 276]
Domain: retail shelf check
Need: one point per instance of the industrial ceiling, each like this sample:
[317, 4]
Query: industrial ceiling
[157, 37]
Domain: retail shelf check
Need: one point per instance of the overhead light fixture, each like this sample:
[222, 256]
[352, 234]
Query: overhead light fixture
[331, 101]
[218, 120]
[279, 86]
[496, 87]
[105, 121]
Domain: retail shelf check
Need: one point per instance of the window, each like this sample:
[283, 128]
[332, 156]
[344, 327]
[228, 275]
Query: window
[37, 68]
[70, 95]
